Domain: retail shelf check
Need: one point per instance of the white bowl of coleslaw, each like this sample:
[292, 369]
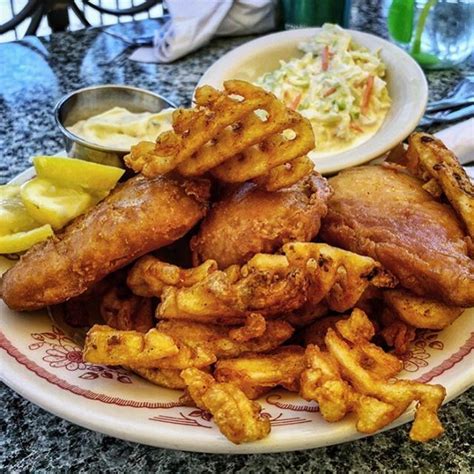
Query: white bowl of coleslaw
[362, 94]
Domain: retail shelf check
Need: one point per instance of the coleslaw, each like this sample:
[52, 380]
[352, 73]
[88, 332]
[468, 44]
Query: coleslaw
[337, 85]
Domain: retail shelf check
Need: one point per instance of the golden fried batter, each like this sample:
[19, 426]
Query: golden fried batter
[139, 216]
[251, 220]
[354, 376]
[273, 285]
[237, 417]
[256, 374]
[386, 214]
[420, 312]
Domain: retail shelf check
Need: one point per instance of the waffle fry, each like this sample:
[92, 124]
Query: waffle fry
[237, 417]
[287, 174]
[108, 346]
[256, 374]
[241, 133]
[274, 151]
[276, 284]
[168, 378]
[353, 376]
[149, 275]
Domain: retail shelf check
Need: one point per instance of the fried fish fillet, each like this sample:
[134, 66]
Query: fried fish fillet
[251, 220]
[141, 215]
[387, 215]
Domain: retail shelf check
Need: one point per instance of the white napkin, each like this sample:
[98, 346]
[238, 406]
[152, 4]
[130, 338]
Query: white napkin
[460, 139]
[194, 22]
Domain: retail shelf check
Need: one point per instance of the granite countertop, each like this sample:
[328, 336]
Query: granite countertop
[34, 74]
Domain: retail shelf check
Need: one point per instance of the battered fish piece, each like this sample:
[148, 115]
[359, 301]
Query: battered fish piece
[251, 220]
[387, 215]
[140, 216]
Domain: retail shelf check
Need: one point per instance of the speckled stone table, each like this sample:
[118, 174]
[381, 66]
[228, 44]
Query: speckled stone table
[34, 74]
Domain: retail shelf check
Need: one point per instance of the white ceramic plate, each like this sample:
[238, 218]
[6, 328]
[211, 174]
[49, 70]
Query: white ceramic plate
[43, 363]
[406, 85]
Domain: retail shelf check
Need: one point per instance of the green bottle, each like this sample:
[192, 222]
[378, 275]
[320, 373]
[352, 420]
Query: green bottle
[304, 13]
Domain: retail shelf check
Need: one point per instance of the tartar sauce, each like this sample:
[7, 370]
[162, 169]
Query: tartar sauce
[119, 128]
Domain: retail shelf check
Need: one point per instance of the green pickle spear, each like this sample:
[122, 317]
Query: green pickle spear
[50, 203]
[77, 173]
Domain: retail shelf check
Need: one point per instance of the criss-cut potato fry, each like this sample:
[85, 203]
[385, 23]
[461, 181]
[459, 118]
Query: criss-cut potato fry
[429, 159]
[256, 374]
[420, 312]
[149, 275]
[276, 284]
[354, 376]
[337, 275]
[217, 340]
[396, 333]
[123, 310]
[255, 326]
[108, 346]
[306, 314]
[287, 174]
[316, 332]
[270, 153]
[237, 134]
[168, 378]
[237, 417]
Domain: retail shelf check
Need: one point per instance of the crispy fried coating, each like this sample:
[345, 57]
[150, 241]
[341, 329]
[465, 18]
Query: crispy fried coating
[123, 310]
[237, 417]
[256, 374]
[218, 339]
[271, 153]
[386, 214]
[168, 378]
[430, 160]
[420, 312]
[139, 216]
[149, 275]
[306, 314]
[276, 284]
[316, 332]
[250, 220]
[200, 345]
[108, 346]
[286, 174]
[353, 375]
[255, 326]
[236, 134]
[395, 332]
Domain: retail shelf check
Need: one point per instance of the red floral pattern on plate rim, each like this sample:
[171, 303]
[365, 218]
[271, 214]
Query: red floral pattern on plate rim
[21, 358]
[63, 352]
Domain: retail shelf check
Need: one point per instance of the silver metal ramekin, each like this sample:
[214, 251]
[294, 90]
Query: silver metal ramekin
[84, 103]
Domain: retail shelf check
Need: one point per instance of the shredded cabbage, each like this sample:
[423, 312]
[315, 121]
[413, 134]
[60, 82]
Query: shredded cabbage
[331, 86]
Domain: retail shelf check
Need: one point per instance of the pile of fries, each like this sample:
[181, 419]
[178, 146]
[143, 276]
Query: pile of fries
[228, 336]
[242, 133]
[223, 335]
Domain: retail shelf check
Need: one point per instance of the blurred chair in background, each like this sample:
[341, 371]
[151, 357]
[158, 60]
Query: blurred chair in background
[15, 15]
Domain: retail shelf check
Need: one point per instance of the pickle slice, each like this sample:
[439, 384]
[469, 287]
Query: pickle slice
[20, 241]
[13, 215]
[52, 204]
[77, 173]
